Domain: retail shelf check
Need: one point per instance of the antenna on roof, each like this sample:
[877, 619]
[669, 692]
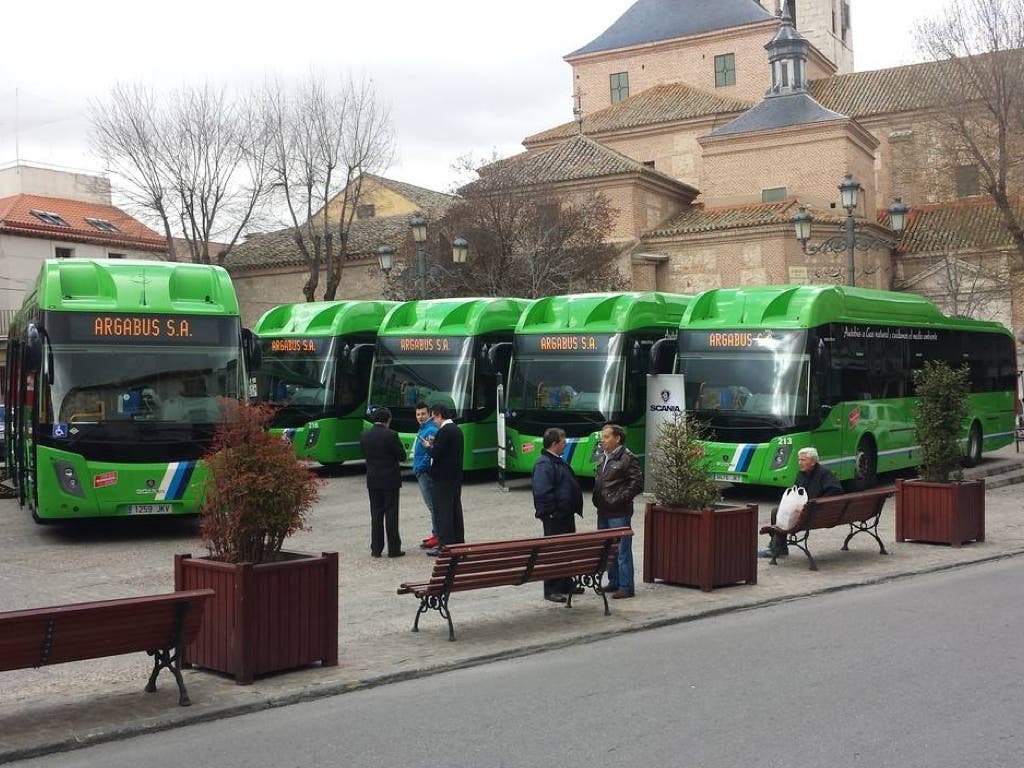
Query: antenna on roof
[577, 109]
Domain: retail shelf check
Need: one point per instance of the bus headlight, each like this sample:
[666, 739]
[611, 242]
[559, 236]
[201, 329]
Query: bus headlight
[68, 478]
[781, 457]
[311, 437]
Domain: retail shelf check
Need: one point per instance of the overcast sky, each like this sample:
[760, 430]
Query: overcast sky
[461, 76]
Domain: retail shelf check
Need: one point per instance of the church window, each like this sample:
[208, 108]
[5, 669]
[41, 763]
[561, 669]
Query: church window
[846, 19]
[968, 183]
[620, 86]
[366, 211]
[725, 70]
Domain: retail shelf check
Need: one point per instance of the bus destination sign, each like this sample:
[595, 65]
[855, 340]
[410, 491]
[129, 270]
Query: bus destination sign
[292, 346]
[84, 327]
[568, 343]
[424, 344]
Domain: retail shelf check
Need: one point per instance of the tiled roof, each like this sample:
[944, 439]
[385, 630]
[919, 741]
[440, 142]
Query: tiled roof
[577, 158]
[429, 201]
[698, 218]
[658, 104]
[884, 91]
[973, 224]
[647, 21]
[16, 218]
[278, 249]
[779, 112]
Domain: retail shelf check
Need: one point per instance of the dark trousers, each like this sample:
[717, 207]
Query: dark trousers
[384, 517]
[448, 513]
[552, 527]
[777, 545]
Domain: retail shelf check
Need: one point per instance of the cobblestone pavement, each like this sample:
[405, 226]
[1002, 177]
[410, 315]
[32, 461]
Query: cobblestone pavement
[69, 705]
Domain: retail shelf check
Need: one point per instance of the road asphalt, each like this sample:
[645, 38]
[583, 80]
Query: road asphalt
[72, 705]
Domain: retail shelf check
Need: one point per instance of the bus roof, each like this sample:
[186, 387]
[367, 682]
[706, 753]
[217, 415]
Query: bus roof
[101, 285]
[603, 312]
[453, 317]
[807, 306]
[323, 318]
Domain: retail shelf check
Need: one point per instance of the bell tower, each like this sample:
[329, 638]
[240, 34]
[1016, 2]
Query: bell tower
[827, 25]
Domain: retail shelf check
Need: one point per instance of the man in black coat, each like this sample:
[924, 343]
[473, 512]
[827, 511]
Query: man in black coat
[817, 481]
[384, 453]
[446, 470]
[557, 499]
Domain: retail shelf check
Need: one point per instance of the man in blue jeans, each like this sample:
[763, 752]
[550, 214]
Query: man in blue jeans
[420, 465]
[619, 480]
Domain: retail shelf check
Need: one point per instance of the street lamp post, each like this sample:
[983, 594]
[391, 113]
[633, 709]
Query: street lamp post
[851, 240]
[418, 225]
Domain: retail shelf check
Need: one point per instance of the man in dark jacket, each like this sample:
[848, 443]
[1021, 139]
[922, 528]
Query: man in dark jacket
[384, 453]
[817, 481]
[446, 470]
[619, 479]
[557, 499]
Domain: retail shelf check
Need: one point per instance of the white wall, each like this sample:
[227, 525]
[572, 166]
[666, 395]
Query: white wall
[47, 182]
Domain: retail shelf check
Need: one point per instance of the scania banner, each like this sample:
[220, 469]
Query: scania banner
[664, 400]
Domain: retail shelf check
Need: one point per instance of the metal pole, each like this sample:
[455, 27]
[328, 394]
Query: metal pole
[851, 246]
[421, 267]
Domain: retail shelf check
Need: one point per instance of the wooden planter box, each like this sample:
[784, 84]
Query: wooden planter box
[705, 548]
[945, 513]
[264, 618]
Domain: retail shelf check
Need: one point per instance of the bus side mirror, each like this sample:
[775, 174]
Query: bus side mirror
[361, 358]
[663, 355]
[251, 350]
[33, 347]
[500, 356]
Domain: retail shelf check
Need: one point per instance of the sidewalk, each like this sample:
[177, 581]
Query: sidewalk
[71, 705]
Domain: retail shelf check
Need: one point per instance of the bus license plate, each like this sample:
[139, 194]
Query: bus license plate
[150, 509]
[723, 478]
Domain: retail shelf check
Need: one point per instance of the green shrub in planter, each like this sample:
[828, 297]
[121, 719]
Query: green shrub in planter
[679, 474]
[939, 412]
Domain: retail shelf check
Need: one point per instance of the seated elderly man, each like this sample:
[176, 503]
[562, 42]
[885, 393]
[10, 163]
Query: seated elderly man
[817, 481]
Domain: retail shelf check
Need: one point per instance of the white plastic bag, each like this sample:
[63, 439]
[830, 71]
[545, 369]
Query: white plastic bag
[793, 501]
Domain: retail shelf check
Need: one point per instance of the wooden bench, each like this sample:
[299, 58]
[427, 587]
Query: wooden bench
[860, 510]
[459, 567]
[160, 625]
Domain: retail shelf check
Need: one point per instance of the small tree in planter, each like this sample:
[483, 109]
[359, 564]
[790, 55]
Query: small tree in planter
[940, 507]
[687, 540]
[273, 609]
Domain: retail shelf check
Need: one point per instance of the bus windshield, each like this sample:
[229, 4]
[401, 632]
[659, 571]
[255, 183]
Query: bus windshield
[299, 376]
[581, 374]
[408, 370]
[96, 383]
[745, 377]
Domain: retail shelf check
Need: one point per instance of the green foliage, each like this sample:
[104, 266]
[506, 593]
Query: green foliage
[258, 493]
[680, 476]
[939, 413]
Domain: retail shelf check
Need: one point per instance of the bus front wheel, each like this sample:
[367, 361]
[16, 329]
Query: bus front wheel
[866, 468]
[974, 445]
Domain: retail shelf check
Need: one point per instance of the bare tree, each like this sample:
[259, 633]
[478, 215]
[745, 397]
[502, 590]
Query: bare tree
[967, 290]
[982, 103]
[524, 240]
[194, 159]
[323, 141]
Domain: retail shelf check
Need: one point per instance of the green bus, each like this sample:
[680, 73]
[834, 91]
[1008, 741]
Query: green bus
[774, 369]
[578, 362]
[315, 367]
[449, 351]
[115, 370]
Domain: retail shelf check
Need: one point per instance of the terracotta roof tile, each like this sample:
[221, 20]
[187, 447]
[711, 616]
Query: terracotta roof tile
[659, 104]
[16, 218]
[427, 199]
[972, 224]
[577, 158]
[885, 91]
[698, 218]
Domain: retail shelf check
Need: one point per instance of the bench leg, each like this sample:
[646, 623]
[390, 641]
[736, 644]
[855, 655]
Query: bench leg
[438, 603]
[870, 528]
[168, 658]
[800, 542]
